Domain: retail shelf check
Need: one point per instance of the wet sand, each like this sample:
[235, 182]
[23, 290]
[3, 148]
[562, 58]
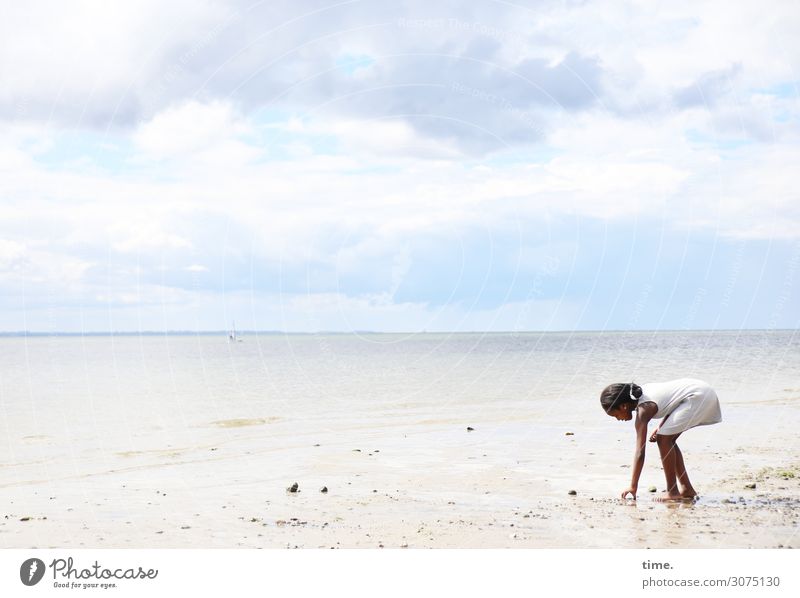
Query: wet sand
[396, 483]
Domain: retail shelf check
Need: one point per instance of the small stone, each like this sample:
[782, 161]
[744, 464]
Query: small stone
[293, 488]
[470, 429]
[25, 519]
[570, 434]
[751, 486]
[652, 489]
[573, 492]
[324, 490]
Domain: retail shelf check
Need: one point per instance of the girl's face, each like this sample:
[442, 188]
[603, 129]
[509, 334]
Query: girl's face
[622, 413]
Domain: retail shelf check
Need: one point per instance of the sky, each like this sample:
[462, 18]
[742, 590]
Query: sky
[399, 165]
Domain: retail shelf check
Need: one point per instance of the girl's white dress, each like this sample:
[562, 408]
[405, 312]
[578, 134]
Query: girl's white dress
[685, 403]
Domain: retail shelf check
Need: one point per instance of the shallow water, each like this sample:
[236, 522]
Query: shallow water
[79, 400]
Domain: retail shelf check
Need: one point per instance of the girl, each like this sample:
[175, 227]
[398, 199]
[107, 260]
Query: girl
[680, 404]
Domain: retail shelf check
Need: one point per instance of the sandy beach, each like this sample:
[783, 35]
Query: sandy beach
[431, 485]
[397, 476]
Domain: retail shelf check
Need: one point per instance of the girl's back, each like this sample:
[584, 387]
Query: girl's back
[668, 395]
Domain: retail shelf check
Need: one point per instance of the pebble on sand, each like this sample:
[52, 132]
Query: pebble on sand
[569, 434]
[293, 488]
[573, 492]
[324, 490]
[750, 486]
[470, 429]
[652, 489]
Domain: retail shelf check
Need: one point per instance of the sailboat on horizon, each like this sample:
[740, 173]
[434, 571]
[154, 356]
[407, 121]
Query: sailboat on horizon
[232, 336]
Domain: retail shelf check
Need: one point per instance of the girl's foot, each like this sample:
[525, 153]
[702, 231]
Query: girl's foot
[689, 493]
[670, 497]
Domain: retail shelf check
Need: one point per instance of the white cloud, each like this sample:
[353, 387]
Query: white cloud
[10, 253]
[142, 236]
[188, 129]
[314, 312]
[387, 138]
[652, 50]
[37, 265]
[90, 58]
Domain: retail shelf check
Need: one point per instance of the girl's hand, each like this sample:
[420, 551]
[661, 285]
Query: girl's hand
[631, 491]
[654, 434]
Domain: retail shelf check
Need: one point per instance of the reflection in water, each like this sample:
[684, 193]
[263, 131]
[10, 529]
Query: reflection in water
[741, 501]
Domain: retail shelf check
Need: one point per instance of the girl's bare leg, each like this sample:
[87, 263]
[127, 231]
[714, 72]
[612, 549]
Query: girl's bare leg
[669, 458]
[687, 491]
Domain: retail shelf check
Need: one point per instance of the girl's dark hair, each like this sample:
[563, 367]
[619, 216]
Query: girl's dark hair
[616, 395]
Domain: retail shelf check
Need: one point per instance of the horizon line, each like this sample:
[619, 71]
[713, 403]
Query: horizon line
[210, 332]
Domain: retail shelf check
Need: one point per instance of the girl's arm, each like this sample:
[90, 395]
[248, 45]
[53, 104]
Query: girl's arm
[644, 413]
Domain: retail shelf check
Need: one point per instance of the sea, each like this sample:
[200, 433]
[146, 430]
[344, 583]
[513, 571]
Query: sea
[117, 388]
